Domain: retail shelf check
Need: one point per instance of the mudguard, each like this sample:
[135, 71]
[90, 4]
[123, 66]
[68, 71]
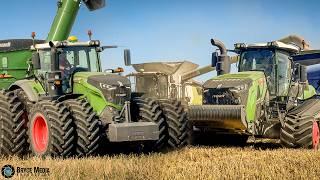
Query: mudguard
[32, 88]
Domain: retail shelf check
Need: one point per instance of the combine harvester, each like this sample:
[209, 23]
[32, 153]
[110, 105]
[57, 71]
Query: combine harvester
[268, 97]
[171, 85]
[58, 102]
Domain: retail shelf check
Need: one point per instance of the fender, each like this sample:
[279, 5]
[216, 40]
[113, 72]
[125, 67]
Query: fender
[32, 88]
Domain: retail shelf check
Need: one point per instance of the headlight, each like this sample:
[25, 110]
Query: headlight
[241, 87]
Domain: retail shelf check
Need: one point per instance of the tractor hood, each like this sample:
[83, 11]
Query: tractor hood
[100, 79]
[232, 80]
[105, 81]
[243, 88]
[103, 89]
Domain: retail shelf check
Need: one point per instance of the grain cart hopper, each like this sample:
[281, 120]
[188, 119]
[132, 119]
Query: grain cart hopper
[268, 97]
[64, 104]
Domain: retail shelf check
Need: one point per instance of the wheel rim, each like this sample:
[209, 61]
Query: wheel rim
[40, 133]
[315, 135]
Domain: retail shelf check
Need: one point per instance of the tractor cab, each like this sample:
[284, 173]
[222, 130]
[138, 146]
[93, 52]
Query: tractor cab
[274, 59]
[61, 59]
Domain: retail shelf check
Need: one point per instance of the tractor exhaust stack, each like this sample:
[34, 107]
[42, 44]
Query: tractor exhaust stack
[222, 62]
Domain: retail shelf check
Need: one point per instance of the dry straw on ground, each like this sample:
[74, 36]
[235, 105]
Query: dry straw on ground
[188, 163]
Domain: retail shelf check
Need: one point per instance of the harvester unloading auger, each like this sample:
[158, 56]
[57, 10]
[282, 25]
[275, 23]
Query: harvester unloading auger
[268, 97]
[58, 102]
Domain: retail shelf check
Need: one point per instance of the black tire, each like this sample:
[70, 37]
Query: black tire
[148, 110]
[87, 126]
[51, 129]
[12, 125]
[176, 118]
[297, 132]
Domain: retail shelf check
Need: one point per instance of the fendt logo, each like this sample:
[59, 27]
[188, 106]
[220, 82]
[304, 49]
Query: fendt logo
[7, 171]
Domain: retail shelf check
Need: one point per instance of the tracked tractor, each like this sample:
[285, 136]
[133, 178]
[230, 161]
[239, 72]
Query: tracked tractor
[269, 96]
[57, 101]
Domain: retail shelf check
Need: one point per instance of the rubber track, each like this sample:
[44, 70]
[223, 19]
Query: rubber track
[61, 128]
[12, 125]
[87, 126]
[297, 130]
[176, 118]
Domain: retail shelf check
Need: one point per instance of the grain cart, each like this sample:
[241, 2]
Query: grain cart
[59, 102]
[268, 97]
[171, 84]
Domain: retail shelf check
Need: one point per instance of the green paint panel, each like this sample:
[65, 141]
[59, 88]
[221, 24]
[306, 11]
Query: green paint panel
[308, 92]
[15, 65]
[258, 87]
[91, 93]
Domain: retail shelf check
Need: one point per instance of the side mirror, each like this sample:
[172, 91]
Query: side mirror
[36, 61]
[214, 59]
[303, 73]
[127, 57]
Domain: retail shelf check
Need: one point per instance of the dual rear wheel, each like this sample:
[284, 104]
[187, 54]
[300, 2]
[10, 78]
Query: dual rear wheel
[13, 139]
[63, 129]
[171, 119]
[47, 128]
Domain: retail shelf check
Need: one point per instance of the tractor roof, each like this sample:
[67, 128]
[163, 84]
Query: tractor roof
[277, 44]
[291, 43]
[17, 44]
[67, 44]
[166, 67]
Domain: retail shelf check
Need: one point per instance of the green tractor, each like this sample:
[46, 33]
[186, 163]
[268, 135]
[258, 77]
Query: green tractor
[269, 96]
[57, 101]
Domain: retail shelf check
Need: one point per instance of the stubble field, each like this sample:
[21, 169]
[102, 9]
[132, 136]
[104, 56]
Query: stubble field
[255, 161]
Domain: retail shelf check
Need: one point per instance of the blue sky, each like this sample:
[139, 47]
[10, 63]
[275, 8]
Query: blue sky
[170, 30]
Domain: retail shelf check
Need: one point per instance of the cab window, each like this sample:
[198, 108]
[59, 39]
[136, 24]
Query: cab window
[284, 72]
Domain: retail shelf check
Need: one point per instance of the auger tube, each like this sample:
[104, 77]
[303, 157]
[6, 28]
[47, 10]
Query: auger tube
[66, 15]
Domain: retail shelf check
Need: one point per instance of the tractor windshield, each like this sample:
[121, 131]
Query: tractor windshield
[259, 60]
[73, 58]
[79, 57]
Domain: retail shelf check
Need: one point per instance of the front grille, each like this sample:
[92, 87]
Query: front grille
[118, 95]
[221, 96]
